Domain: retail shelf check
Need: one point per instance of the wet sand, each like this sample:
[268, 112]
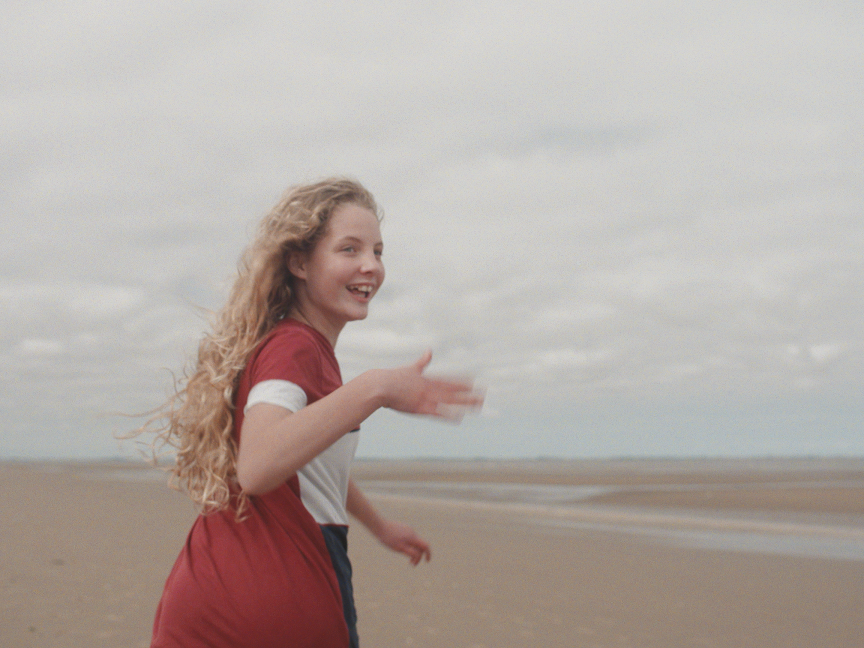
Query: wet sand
[666, 554]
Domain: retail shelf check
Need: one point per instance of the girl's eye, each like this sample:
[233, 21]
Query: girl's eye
[349, 248]
[379, 253]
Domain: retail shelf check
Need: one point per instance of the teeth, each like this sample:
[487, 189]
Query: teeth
[362, 289]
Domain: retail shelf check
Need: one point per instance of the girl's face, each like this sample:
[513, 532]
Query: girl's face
[335, 282]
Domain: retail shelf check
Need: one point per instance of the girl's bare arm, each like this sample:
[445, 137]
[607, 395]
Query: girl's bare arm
[276, 443]
[395, 535]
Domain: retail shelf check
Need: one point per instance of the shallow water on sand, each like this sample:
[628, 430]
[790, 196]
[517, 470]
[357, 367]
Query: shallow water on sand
[568, 508]
[564, 507]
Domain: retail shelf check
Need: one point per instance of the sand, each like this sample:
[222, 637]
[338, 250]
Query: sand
[667, 554]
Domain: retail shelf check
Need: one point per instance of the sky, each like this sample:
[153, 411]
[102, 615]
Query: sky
[637, 225]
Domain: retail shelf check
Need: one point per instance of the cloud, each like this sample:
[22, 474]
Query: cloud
[822, 353]
[582, 200]
[79, 302]
[39, 347]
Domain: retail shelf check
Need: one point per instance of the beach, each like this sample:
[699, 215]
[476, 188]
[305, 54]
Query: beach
[588, 553]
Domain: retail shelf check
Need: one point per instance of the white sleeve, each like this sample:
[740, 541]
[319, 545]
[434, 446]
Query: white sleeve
[277, 392]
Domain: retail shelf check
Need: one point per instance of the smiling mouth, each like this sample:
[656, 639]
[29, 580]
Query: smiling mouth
[363, 291]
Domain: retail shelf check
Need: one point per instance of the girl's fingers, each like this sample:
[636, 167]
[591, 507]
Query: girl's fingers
[424, 361]
[466, 398]
[443, 397]
[449, 413]
[457, 393]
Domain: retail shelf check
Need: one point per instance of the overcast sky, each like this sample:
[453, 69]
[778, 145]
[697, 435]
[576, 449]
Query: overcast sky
[637, 224]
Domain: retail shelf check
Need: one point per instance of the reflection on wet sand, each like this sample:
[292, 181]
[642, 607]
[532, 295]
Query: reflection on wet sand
[796, 507]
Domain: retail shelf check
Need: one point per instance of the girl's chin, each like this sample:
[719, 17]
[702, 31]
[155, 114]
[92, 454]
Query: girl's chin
[357, 314]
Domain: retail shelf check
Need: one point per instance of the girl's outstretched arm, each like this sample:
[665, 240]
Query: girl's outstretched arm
[395, 535]
[276, 443]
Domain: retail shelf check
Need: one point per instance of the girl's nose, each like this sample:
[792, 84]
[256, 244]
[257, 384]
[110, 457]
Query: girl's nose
[371, 263]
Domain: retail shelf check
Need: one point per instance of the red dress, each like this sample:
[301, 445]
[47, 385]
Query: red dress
[267, 580]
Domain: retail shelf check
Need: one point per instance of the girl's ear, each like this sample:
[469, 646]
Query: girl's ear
[297, 264]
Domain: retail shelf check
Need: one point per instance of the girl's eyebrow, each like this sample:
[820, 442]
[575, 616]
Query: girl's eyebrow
[350, 238]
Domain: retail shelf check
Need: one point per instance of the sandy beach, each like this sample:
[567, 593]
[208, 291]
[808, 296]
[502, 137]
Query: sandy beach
[635, 553]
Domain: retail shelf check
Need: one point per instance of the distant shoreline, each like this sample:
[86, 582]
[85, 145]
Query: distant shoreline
[624, 459]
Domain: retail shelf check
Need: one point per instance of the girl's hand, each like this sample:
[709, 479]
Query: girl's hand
[409, 391]
[402, 538]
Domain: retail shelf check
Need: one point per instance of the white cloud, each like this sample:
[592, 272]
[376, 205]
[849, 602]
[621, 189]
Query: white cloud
[822, 353]
[81, 302]
[580, 199]
[39, 347]
[377, 342]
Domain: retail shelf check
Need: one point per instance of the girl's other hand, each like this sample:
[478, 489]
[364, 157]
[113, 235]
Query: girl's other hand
[409, 391]
[402, 538]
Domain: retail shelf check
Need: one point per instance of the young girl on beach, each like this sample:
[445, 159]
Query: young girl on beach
[265, 433]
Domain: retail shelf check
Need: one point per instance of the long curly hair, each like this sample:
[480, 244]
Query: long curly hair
[198, 419]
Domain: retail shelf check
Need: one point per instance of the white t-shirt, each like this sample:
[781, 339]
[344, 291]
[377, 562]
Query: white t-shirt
[324, 480]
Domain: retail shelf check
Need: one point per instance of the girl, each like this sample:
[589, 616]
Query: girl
[265, 433]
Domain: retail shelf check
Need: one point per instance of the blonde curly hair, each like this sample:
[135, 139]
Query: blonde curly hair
[198, 419]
